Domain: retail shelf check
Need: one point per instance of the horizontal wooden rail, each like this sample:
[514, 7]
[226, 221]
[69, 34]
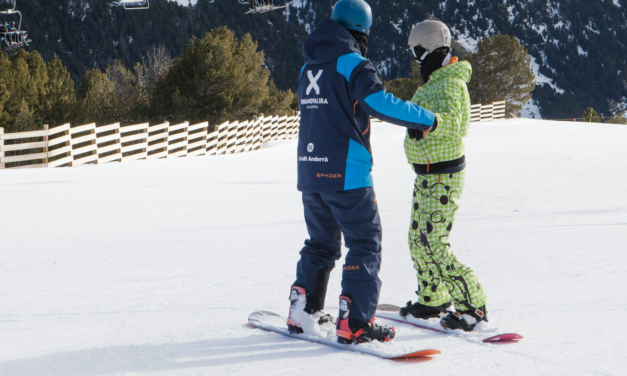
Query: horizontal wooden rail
[74, 146]
[487, 112]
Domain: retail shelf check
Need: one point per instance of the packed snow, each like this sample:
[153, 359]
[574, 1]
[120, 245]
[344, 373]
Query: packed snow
[152, 267]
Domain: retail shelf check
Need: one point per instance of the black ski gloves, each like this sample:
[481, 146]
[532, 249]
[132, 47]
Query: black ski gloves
[416, 134]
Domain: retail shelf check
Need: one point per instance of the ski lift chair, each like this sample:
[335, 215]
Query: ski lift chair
[261, 6]
[13, 38]
[132, 4]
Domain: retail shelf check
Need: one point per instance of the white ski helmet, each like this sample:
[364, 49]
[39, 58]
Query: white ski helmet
[428, 36]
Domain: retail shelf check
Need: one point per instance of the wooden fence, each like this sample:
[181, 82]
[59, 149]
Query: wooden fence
[487, 112]
[75, 146]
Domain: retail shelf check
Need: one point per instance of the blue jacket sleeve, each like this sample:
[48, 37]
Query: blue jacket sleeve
[365, 86]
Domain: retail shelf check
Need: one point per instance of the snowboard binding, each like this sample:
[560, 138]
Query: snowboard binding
[421, 311]
[350, 330]
[465, 320]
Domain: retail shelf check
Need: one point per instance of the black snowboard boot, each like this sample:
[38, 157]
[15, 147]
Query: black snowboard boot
[465, 320]
[350, 330]
[421, 311]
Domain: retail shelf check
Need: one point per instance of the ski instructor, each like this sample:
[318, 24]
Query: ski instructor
[338, 91]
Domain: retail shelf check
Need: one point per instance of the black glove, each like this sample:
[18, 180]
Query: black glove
[417, 134]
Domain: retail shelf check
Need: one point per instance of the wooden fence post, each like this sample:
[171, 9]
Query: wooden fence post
[45, 150]
[115, 147]
[498, 110]
[266, 130]
[274, 128]
[140, 149]
[297, 120]
[197, 140]
[250, 131]
[231, 138]
[223, 134]
[178, 140]
[212, 141]
[91, 148]
[1, 148]
[258, 133]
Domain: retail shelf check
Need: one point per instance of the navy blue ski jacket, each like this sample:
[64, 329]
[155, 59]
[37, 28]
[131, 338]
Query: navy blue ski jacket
[338, 90]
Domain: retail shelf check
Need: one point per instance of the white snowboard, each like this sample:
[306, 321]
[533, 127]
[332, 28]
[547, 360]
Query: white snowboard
[390, 350]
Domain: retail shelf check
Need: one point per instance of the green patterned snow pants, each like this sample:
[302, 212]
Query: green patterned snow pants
[441, 277]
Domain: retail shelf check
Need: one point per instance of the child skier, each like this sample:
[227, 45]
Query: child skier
[338, 91]
[438, 159]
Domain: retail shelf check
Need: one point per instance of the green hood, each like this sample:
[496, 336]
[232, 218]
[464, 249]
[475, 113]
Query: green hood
[461, 70]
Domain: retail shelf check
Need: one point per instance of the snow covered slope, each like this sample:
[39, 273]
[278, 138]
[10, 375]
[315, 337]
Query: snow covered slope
[152, 267]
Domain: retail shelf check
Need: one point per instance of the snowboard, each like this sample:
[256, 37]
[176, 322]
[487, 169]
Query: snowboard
[390, 312]
[275, 323]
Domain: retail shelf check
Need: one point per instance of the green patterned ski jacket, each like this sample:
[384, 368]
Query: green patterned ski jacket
[447, 96]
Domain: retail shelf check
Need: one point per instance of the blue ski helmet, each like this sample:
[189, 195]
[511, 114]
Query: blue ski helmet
[353, 15]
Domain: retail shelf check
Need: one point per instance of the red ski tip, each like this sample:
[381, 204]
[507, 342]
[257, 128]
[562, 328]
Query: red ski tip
[509, 337]
[420, 353]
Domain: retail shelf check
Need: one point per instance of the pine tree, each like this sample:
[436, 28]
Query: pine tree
[279, 102]
[112, 96]
[501, 71]
[405, 88]
[97, 98]
[218, 78]
[23, 76]
[59, 102]
[127, 93]
[5, 87]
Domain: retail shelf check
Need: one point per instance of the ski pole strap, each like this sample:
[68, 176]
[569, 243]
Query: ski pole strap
[434, 168]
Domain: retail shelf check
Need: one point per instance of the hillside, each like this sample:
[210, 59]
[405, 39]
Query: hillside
[578, 45]
[89, 33]
[152, 267]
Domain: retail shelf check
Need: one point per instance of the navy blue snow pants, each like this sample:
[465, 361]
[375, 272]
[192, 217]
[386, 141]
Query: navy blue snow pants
[355, 213]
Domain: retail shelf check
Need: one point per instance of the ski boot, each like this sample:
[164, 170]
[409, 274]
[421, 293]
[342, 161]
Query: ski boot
[302, 319]
[421, 311]
[466, 320]
[351, 330]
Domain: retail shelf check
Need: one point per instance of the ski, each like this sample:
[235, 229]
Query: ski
[390, 312]
[275, 323]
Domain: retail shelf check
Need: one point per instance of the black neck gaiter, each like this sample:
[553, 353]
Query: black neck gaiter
[431, 63]
[362, 40]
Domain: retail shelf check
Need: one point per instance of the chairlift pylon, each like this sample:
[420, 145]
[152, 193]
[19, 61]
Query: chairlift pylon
[132, 4]
[11, 37]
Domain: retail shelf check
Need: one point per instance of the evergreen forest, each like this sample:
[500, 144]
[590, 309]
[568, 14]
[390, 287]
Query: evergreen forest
[579, 45]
